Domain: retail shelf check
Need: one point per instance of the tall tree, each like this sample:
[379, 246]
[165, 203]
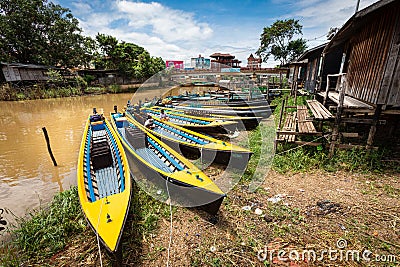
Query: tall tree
[35, 31]
[277, 40]
[131, 60]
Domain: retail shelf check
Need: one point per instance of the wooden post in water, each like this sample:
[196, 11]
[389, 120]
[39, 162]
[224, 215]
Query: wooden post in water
[46, 136]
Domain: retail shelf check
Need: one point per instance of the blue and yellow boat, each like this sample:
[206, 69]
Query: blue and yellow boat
[197, 145]
[248, 122]
[104, 183]
[160, 164]
[195, 123]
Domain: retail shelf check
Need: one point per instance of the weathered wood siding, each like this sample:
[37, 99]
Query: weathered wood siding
[10, 74]
[13, 74]
[368, 56]
[390, 91]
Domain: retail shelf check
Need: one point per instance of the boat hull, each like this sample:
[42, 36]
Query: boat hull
[208, 125]
[104, 192]
[179, 193]
[246, 120]
[235, 160]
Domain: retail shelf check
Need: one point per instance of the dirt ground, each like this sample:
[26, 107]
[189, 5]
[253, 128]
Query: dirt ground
[345, 219]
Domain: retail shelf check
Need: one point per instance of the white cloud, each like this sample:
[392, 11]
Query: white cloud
[176, 34]
[318, 16]
[165, 32]
[170, 24]
[81, 8]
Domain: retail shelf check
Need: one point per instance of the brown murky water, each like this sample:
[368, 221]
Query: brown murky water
[27, 175]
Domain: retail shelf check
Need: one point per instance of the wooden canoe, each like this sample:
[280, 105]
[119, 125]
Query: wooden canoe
[104, 183]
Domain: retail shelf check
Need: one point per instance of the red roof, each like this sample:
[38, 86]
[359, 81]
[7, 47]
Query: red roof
[222, 55]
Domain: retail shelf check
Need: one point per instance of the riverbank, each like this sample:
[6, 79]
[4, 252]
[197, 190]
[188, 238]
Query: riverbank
[355, 202]
[44, 91]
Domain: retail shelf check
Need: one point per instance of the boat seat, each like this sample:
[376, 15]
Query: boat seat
[139, 118]
[136, 137]
[101, 155]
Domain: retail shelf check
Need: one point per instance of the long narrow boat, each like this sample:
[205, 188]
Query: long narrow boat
[248, 122]
[104, 183]
[195, 123]
[160, 164]
[195, 144]
[263, 111]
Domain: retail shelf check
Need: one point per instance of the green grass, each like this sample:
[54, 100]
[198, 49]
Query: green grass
[293, 158]
[47, 230]
[290, 158]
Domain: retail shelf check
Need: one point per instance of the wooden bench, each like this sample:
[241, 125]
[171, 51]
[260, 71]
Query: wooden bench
[289, 126]
[305, 125]
[319, 111]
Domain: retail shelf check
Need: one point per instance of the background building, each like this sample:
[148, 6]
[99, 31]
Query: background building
[224, 59]
[200, 63]
[253, 63]
[177, 64]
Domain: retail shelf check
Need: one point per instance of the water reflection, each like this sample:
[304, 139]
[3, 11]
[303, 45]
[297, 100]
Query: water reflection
[27, 174]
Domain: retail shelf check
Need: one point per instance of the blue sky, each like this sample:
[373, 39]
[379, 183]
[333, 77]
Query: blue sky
[179, 30]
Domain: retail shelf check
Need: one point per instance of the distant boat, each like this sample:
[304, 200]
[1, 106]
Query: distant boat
[246, 119]
[104, 183]
[192, 143]
[160, 164]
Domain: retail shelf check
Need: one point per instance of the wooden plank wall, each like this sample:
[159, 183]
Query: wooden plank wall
[368, 56]
[11, 74]
[390, 92]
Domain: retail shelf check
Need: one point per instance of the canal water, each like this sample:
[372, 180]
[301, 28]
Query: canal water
[28, 178]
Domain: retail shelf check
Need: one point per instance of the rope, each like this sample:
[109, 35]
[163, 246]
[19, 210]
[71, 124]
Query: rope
[170, 228]
[97, 234]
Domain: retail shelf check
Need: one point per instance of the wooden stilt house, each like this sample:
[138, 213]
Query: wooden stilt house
[368, 87]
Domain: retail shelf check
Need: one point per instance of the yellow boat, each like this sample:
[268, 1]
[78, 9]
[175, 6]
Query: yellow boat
[195, 123]
[197, 145]
[163, 166]
[104, 184]
[243, 122]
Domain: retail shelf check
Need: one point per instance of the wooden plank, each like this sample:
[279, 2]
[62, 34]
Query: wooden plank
[349, 102]
[305, 126]
[318, 110]
[298, 133]
[350, 135]
[362, 121]
[390, 66]
[386, 38]
[290, 127]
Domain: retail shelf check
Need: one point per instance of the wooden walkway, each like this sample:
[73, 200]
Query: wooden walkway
[319, 111]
